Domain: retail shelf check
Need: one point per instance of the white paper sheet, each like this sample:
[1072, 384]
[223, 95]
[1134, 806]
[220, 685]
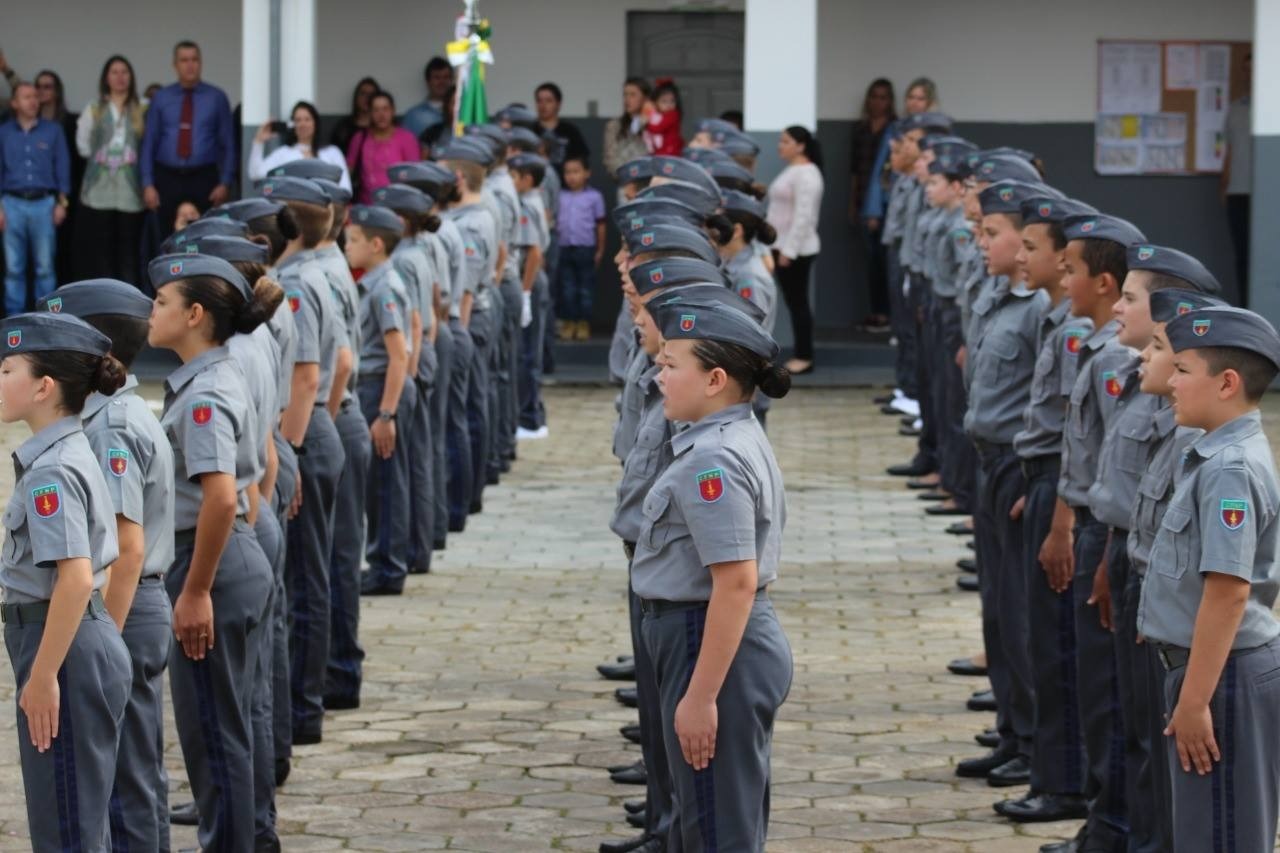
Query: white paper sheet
[1129, 77]
[1181, 66]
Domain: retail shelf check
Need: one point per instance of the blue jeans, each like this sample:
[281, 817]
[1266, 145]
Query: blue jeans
[577, 282]
[28, 229]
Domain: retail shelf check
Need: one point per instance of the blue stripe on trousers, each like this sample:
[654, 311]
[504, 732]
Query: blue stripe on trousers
[703, 780]
[211, 729]
[64, 769]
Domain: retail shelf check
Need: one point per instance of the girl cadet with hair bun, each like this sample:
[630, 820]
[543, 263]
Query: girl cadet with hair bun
[220, 582]
[707, 551]
[70, 666]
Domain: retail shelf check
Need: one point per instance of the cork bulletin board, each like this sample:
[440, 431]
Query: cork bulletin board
[1162, 105]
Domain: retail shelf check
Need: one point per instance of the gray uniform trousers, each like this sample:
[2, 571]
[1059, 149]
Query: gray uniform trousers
[457, 430]
[927, 342]
[512, 303]
[1099, 694]
[1157, 771]
[68, 786]
[624, 329]
[439, 402]
[310, 541]
[1057, 755]
[903, 323]
[1003, 587]
[345, 654]
[422, 471]
[140, 799]
[479, 388]
[658, 810]
[212, 698]
[281, 691]
[498, 383]
[387, 492]
[1234, 808]
[271, 541]
[957, 459]
[726, 806]
[532, 414]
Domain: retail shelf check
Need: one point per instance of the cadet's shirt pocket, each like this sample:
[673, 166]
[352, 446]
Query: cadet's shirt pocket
[1075, 413]
[648, 446]
[1151, 490]
[1132, 444]
[655, 529]
[14, 517]
[1002, 358]
[1171, 553]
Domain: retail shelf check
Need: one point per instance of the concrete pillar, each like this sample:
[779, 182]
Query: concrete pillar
[1264, 261]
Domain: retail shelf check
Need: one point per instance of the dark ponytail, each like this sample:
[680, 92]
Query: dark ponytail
[78, 374]
[278, 228]
[808, 142]
[748, 369]
[721, 228]
[230, 312]
[774, 381]
[753, 228]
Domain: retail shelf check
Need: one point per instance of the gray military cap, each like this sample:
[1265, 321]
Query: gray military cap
[679, 169]
[420, 172]
[229, 249]
[1100, 226]
[46, 332]
[307, 167]
[929, 122]
[531, 163]
[1004, 168]
[376, 216]
[517, 115]
[743, 203]
[1171, 262]
[704, 157]
[467, 149]
[97, 296]
[294, 189]
[170, 268]
[712, 321]
[246, 209]
[639, 169]
[672, 238]
[716, 126]
[697, 197]
[222, 226]
[670, 272]
[1224, 326]
[1008, 196]
[738, 143]
[1042, 209]
[710, 292]
[337, 193]
[640, 212]
[727, 173]
[403, 197]
[523, 138]
[1174, 302]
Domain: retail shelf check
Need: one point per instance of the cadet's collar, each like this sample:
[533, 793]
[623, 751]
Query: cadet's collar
[374, 276]
[1132, 379]
[29, 451]
[1229, 433]
[1103, 336]
[1166, 419]
[299, 257]
[649, 378]
[737, 412]
[185, 373]
[1058, 313]
[97, 400]
[743, 256]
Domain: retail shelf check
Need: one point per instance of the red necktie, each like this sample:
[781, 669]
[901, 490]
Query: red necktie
[184, 123]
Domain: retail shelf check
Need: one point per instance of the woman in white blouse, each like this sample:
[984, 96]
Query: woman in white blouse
[795, 198]
[299, 143]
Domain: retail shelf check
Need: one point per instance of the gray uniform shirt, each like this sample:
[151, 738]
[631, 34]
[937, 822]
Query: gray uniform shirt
[309, 297]
[630, 404]
[895, 211]
[413, 263]
[1162, 474]
[752, 281]
[504, 188]
[926, 221]
[209, 422]
[649, 456]
[384, 307]
[720, 500]
[60, 509]
[1222, 518]
[1090, 412]
[285, 334]
[346, 300]
[1058, 344]
[991, 291]
[952, 252]
[1003, 361]
[137, 466]
[1124, 452]
[251, 352]
[478, 229]
[454, 248]
[911, 209]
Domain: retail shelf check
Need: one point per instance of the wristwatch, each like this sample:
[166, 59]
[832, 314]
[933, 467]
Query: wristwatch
[386, 416]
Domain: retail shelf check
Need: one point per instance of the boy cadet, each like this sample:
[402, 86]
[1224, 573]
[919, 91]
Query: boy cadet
[1094, 268]
[1057, 754]
[527, 173]
[1002, 361]
[1162, 471]
[1121, 461]
[1207, 603]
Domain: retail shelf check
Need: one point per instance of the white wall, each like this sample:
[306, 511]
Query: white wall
[74, 38]
[996, 60]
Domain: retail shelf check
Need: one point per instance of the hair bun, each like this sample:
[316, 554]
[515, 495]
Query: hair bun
[110, 375]
[267, 297]
[774, 381]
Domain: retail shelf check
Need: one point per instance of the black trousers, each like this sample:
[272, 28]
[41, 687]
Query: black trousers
[107, 244]
[793, 279]
[1238, 225]
[178, 185]
[877, 271]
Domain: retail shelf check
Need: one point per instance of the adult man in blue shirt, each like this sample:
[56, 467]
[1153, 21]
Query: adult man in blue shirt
[188, 149]
[439, 79]
[35, 179]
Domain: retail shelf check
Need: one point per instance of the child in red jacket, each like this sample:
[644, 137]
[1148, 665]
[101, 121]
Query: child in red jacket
[662, 129]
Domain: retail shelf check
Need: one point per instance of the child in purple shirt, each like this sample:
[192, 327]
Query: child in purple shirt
[581, 223]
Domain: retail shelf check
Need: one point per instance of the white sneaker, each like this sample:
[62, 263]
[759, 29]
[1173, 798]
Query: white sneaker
[907, 406]
[918, 423]
[897, 394]
[540, 432]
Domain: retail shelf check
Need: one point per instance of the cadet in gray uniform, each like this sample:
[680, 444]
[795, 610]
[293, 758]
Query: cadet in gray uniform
[1095, 264]
[751, 279]
[307, 425]
[711, 541]
[220, 582]
[70, 667]
[1002, 363]
[387, 394]
[1162, 470]
[137, 466]
[478, 227]
[532, 239]
[1207, 602]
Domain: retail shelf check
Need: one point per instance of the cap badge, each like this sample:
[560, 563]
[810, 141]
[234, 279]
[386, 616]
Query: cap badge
[54, 305]
[655, 276]
[1145, 253]
[175, 268]
[687, 321]
[15, 338]
[1184, 308]
[1200, 328]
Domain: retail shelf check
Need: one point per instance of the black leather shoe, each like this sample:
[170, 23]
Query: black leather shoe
[887, 409]
[965, 666]
[303, 737]
[909, 469]
[983, 700]
[369, 585]
[625, 846]
[883, 399]
[631, 776]
[971, 545]
[184, 814]
[334, 702]
[1071, 846]
[934, 495]
[476, 506]
[618, 671]
[978, 768]
[960, 529]
[967, 564]
[989, 739]
[618, 768]
[968, 583]
[624, 658]
[920, 485]
[635, 806]
[419, 570]
[637, 820]
[1043, 808]
[626, 696]
[283, 766]
[631, 733]
[941, 510]
[438, 545]
[1016, 772]
[908, 432]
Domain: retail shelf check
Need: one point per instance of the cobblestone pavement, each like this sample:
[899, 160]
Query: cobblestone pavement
[484, 726]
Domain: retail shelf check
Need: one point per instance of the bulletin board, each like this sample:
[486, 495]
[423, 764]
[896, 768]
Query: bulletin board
[1162, 105]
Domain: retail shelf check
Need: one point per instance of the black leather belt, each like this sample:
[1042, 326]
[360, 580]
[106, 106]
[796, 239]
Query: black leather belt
[658, 606]
[31, 195]
[1172, 657]
[1083, 515]
[1038, 466]
[35, 612]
